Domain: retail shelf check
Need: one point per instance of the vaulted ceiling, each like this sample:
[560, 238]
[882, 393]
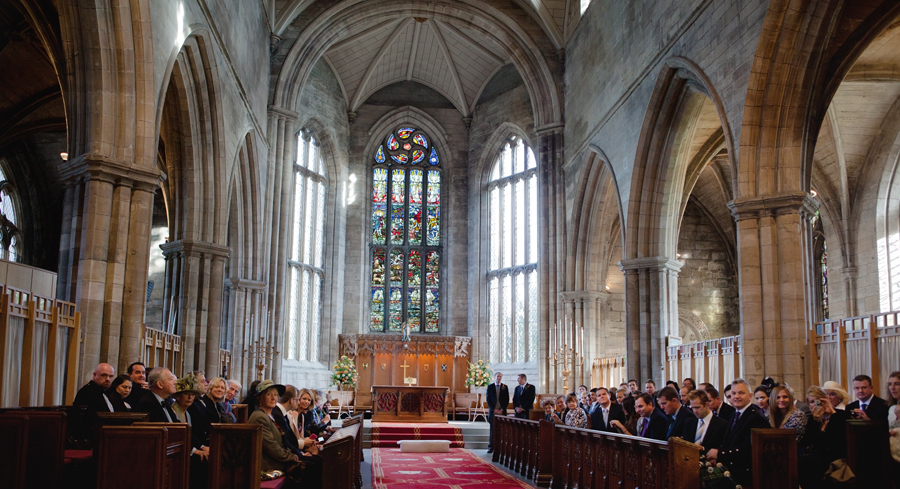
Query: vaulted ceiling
[427, 51]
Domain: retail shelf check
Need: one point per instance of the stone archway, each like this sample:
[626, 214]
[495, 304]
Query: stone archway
[691, 328]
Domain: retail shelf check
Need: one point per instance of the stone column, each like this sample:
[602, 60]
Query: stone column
[137, 265]
[777, 294]
[583, 307]
[849, 274]
[651, 302]
[552, 223]
[102, 236]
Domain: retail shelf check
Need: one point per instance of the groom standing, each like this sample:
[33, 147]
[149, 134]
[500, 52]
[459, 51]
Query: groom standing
[523, 400]
[497, 399]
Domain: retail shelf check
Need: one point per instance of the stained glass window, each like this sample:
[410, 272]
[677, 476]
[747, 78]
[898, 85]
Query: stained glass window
[9, 243]
[305, 259]
[406, 234]
[513, 254]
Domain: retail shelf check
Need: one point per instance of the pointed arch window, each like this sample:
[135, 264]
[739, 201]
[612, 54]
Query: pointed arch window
[512, 277]
[405, 236]
[305, 259]
[9, 219]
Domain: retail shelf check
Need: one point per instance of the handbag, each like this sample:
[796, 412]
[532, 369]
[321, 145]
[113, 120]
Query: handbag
[839, 474]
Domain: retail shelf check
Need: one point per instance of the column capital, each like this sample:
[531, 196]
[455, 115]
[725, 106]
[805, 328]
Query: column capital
[651, 263]
[572, 296]
[192, 247]
[244, 283]
[100, 167]
[550, 129]
[774, 204]
[284, 113]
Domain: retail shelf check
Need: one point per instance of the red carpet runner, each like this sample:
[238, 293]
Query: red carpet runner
[458, 469]
[386, 435]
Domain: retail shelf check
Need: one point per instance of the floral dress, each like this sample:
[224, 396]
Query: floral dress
[576, 418]
[796, 421]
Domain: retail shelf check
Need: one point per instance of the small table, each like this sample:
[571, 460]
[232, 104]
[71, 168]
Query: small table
[411, 404]
[480, 410]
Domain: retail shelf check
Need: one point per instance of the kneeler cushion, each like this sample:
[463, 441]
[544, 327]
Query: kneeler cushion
[424, 446]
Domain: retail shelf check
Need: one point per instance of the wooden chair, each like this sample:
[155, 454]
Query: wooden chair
[46, 447]
[235, 456]
[13, 450]
[464, 402]
[119, 446]
[241, 412]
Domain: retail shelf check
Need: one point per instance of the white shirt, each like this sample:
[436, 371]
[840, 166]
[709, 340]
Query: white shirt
[702, 426]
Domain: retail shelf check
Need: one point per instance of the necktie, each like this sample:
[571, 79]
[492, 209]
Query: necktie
[671, 425]
[646, 423]
[699, 431]
[605, 417]
[737, 416]
[862, 406]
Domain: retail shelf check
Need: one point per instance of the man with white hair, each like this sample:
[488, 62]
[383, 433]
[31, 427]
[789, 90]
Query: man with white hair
[232, 395]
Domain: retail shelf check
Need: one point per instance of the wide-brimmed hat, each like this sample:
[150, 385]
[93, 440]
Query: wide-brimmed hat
[834, 386]
[268, 384]
[188, 383]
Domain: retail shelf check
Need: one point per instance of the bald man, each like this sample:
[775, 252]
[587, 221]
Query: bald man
[92, 397]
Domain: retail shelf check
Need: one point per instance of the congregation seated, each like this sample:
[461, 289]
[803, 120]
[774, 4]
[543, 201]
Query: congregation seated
[162, 385]
[839, 397]
[300, 471]
[286, 420]
[703, 428]
[119, 392]
[867, 405]
[676, 413]
[652, 423]
[605, 412]
[761, 399]
[576, 417]
[735, 451]
[893, 403]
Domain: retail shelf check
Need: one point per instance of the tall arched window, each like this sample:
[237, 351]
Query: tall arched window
[406, 234]
[9, 220]
[512, 278]
[306, 266]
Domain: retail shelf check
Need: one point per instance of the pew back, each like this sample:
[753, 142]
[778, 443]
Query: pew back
[235, 456]
[868, 452]
[241, 412]
[340, 453]
[13, 450]
[46, 447]
[178, 453]
[117, 449]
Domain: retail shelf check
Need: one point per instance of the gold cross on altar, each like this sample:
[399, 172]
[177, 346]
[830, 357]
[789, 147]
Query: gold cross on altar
[404, 367]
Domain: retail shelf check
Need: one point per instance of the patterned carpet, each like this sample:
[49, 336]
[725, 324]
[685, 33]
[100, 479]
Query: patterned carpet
[386, 435]
[457, 469]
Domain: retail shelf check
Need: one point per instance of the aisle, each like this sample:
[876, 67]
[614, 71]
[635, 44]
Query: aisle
[458, 468]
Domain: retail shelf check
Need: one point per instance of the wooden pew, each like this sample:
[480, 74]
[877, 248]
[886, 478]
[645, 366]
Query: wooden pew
[235, 456]
[869, 452]
[45, 458]
[464, 403]
[120, 419]
[351, 421]
[118, 447]
[178, 453]
[774, 458]
[341, 458]
[13, 450]
[241, 412]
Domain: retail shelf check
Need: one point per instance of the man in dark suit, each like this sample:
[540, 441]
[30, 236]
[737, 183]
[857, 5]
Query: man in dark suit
[523, 399]
[497, 399]
[155, 402]
[137, 372]
[735, 452]
[678, 415]
[606, 412]
[92, 397]
[652, 423]
[868, 405]
[704, 429]
[719, 408]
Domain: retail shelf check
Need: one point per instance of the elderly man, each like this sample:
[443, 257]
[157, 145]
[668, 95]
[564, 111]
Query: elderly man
[232, 395]
[735, 451]
[162, 386]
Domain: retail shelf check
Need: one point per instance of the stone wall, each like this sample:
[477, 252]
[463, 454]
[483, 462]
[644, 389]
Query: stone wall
[707, 284]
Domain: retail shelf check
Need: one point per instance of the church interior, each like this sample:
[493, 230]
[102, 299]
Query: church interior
[580, 191]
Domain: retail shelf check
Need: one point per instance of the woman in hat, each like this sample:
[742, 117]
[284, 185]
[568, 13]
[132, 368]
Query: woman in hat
[301, 472]
[838, 397]
[186, 391]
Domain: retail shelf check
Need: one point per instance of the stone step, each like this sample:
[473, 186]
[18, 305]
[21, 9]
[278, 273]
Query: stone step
[476, 435]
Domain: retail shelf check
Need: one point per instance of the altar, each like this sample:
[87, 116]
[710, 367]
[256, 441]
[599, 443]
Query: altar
[409, 404]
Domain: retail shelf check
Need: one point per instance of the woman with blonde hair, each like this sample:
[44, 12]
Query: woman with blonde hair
[782, 412]
[215, 393]
[824, 441]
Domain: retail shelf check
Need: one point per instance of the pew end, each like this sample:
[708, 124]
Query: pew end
[774, 454]
[13, 449]
[869, 452]
[235, 456]
[119, 446]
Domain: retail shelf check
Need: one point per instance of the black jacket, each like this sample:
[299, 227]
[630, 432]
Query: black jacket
[615, 413]
[726, 411]
[137, 393]
[287, 434]
[735, 451]
[682, 416]
[876, 409]
[497, 402]
[150, 405]
[657, 428]
[91, 395]
[524, 398]
[715, 432]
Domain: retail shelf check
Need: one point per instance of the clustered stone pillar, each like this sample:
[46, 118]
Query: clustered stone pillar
[651, 305]
[104, 255]
[774, 237]
[282, 148]
[244, 305]
[552, 266]
[195, 275]
[583, 309]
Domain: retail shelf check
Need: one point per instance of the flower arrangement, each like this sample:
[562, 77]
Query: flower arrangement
[344, 372]
[479, 374]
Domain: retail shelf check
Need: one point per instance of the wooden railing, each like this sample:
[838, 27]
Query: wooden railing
[39, 347]
[162, 349]
[840, 349]
[608, 372]
[716, 361]
[561, 457]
